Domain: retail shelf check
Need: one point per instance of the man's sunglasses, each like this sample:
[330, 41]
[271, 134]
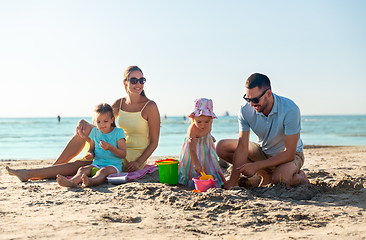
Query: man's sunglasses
[255, 100]
[134, 80]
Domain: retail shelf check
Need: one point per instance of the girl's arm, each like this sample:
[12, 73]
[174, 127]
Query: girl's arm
[192, 134]
[90, 155]
[153, 119]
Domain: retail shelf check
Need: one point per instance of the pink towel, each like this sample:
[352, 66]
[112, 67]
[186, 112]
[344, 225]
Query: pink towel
[138, 173]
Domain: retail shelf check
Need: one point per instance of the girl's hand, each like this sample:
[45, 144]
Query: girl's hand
[104, 145]
[198, 168]
[89, 156]
[80, 128]
[132, 166]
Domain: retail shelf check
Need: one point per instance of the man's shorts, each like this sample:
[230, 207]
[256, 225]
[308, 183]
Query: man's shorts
[259, 155]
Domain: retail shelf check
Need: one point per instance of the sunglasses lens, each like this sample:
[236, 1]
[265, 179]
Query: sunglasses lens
[253, 100]
[133, 80]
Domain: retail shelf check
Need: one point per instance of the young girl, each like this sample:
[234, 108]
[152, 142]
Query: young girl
[107, 147]
[198, 151]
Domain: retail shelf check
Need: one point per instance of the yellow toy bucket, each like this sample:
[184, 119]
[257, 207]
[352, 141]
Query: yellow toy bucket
[168, 171]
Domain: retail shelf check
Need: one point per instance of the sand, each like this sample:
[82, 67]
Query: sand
[332, 207]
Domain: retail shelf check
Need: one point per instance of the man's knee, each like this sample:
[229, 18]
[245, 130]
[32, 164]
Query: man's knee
[284, 178]
[284, 173]
[220, 148]
[226, 146]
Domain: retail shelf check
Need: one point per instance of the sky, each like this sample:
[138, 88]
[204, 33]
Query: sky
[65, 57]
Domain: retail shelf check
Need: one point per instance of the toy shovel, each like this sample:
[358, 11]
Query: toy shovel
[205, 177]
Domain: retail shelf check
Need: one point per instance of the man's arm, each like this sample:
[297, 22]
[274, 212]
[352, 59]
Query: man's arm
[290, 142]
[240, 158]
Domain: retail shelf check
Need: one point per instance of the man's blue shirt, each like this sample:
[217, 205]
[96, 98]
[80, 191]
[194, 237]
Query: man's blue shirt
[284, 119]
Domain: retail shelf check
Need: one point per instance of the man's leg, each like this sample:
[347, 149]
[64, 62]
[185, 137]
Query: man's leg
[225, 149]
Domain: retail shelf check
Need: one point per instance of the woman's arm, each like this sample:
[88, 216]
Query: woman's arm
[115, 107]
[153, 119]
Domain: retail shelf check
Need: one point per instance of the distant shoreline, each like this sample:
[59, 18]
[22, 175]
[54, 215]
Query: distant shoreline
[177, 156]
[180, 116]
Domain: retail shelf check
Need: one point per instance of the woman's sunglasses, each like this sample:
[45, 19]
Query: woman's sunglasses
[134, 80]
[255, 100]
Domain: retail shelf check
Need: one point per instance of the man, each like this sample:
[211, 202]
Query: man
[278, 155]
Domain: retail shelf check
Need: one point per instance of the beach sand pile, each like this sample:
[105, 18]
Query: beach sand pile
[333, 206]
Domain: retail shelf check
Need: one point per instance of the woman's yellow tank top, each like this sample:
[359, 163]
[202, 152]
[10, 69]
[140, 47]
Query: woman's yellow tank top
[137, 134]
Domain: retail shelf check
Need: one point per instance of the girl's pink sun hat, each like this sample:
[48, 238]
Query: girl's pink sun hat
[202, 106]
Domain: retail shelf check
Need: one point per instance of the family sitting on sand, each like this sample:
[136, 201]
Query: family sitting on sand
[277, 157]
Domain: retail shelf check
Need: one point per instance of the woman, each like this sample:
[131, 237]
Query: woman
[138, 116]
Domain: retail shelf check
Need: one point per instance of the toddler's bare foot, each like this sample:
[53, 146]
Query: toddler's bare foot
[229, 184]
[20, 173]
[302, 174]
[86, 180]
[64, 182]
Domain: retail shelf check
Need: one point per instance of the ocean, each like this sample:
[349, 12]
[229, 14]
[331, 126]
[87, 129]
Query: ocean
[44, 138]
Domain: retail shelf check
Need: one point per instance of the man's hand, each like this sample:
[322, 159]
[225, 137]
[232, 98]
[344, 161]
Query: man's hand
[248, 169]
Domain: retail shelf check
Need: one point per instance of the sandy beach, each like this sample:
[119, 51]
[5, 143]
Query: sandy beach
[332, 207]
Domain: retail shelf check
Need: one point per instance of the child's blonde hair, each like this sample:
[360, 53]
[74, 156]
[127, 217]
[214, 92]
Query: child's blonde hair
[104, 108]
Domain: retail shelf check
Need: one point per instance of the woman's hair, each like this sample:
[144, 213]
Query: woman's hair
[127, 73]
[258, 80]
[105, 108]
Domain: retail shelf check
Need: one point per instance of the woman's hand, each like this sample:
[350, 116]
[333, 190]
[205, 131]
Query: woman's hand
[132, 166]
[80, 128]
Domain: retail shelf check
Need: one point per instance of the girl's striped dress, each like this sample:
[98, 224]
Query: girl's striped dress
[206, 153]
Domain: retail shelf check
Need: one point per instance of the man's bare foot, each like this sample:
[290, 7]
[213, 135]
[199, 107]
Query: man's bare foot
[305, 178]
[64, 182]
[20, 173]
[86, 180]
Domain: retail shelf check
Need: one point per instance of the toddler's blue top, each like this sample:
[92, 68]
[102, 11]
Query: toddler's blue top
[102, 157]
[284, 119]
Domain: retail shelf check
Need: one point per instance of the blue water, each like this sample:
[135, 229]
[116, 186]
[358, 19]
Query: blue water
[44, 138]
